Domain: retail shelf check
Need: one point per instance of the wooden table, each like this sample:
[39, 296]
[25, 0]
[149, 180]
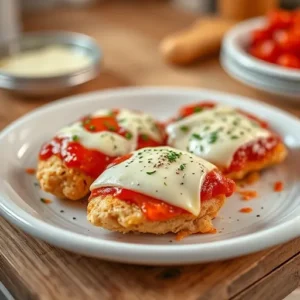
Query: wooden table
[129, 34]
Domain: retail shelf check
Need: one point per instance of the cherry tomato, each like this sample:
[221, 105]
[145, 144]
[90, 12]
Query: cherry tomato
[296, 17]
[280, 19]
[260, 35]
[288, 41]
[289, 61]
[266, 50]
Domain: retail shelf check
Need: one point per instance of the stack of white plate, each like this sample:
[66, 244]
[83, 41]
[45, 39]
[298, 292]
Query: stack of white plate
[254, 72]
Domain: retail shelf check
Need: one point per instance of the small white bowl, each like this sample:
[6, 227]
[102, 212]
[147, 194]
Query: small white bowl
[57, 84]
[255, 72]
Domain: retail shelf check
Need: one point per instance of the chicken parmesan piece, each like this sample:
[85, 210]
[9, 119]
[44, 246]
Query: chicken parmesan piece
[158, 190]
[235, 141]
[78, 153]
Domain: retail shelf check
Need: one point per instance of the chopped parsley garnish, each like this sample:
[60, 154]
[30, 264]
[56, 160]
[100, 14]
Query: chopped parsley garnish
[184, 128]
[92, 127]
[46, 201]
[234, 137]
[165, 184]
[206, 128]
[128, 135]
[150, 173]
[181, 167]
[196, 136]
[235, 123]
[172, 156]
[122, 120]
[75, 138]
[201, 148]
[86, 121]
[213, 137]
[111, 113]
[144, 137]
[109, 126]
[254, 123]
[198, 109]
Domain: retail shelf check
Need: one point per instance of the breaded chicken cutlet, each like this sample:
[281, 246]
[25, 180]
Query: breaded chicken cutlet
[158, 190]
[236, 142]
[78, 153]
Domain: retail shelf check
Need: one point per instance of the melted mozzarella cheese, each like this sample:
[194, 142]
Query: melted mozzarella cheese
[106, 142]
[139, 123]
[111, 143]
[164, 173]
[215, 134]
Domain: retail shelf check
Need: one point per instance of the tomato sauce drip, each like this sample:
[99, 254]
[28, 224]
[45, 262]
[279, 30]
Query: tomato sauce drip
[74, 155]
[278, 186]
[90, 161]
[157, 210]
[246, 210]
[256, 151]
[99, 124]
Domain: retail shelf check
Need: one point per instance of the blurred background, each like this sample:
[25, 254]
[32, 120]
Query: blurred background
[158, 42]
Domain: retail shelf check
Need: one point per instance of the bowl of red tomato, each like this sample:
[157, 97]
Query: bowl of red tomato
[265, 53]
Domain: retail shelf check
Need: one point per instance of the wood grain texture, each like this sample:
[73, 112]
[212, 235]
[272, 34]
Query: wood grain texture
[32, 269]
[129, 33]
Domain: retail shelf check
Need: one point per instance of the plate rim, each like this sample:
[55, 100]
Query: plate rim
[144, 253]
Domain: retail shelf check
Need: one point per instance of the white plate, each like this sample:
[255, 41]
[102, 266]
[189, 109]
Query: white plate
[263, 82]
[238, 234]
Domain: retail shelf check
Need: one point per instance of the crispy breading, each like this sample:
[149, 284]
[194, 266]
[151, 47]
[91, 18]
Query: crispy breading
[63, 182]
[118, 215]
[274, 157]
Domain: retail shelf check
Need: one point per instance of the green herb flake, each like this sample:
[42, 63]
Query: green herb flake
[165, 184]
[109, 126]
[184, 128]
[196, 136]
[86, 121]
[128, 136]
[235, 123]
[144, 137]
[182, 167]
[122, 120]
[255, 124]
[172, 156]
[198, 109]
[206, 128]
[46, 201]
[92, 127]
[213, 137]
[111, 113]
[75, 138]
[150, 173]
[234, 137]
[201, 148]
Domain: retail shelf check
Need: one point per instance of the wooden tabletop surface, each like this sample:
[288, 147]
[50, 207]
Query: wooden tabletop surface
[129, 33]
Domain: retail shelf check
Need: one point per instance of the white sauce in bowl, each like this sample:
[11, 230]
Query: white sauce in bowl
[48, 61]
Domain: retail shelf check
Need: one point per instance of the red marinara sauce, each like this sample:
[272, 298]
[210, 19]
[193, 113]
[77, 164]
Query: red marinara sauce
[256, 151]
[91, 162]
[215, 184]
